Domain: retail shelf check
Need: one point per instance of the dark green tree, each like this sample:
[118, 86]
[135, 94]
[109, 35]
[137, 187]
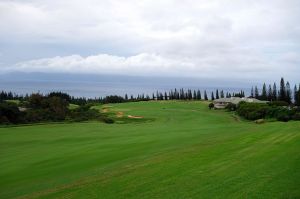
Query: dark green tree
[212, 96]
[298, 97]
[295, 94]
[274, 92]
[282, 90]
[205, 95]
[222, 94]
[270, 93]
[198, 95]
[256, 93]
[264, 92]
[288, 95]
[166, 96]
[217, 94]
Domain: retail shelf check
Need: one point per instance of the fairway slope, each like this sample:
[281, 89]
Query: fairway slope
[176, 150]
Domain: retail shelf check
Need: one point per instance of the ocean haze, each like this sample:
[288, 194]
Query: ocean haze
[103, 85]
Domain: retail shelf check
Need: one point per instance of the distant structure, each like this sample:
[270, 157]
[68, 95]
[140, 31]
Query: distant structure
[223, 102]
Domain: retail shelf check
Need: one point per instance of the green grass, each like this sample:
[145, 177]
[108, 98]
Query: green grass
[13, 101]
[73, 106]
[178, 150]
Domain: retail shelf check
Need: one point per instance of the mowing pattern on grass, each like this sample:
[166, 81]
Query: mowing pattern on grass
[185, 151]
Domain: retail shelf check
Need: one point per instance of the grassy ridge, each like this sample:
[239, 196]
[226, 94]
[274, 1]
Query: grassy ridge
[184, 151]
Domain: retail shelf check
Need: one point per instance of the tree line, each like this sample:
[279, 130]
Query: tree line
[273, 93]
[267, 93]
[174, 94]
[53, 107]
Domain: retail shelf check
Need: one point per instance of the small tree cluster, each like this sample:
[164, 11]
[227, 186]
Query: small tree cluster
[270, 93]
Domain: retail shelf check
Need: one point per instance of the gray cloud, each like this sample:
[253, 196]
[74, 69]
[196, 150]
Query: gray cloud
[205, 38]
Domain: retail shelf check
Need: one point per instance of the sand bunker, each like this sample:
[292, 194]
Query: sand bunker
[135, 117]
[119, 114]
[104, 110]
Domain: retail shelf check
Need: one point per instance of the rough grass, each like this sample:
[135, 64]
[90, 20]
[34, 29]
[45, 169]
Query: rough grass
[182, 150]
[73, 106]
[13, 101]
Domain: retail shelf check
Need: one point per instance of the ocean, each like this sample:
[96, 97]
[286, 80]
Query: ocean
[102, 85]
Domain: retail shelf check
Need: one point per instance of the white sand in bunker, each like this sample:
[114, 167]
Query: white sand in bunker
[135, 117]
[119, 114]
[104, 110]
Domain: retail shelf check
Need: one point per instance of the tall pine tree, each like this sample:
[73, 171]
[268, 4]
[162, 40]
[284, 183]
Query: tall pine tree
[282, 91]
[212, 96]
[205, 95]
[256, 93]
[217, 94]
[270, 92]
[264, 92]
[198, 95]
[274, 92]
[222, 94]
[295, 94]
[288, 93]
[298, 96]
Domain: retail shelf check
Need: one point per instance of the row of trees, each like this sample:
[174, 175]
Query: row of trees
[273, 93]
[271, 110]
[176, 94]
[52, 107]
[268, 93]
[181, 94]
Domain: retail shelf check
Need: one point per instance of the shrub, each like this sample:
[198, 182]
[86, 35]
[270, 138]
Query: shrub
[108, 120]
[4, 120]
[113, 99]
[278, 103]
[296, 116]
[283, 117]
[211, 105]
[252, 111]
[10, 113]
[231, 107]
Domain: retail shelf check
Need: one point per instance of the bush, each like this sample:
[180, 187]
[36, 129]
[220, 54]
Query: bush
[83, 113]
[108, 120]
[230, 107]
[211, 105]
[4, 120]
[283, 117]
[10, 113]
[113, 99]
[296, 117]
[252, 111]
[278, 103]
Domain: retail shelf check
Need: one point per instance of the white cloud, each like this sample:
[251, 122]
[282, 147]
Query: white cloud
[139, 64]
[205, 37]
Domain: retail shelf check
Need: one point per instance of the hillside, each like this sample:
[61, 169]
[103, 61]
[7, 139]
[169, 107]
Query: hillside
[168, 149]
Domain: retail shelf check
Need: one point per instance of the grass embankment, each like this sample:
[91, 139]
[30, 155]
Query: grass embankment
[179, 150]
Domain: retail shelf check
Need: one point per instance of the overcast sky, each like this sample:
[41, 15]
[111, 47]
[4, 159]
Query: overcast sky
[203, 38]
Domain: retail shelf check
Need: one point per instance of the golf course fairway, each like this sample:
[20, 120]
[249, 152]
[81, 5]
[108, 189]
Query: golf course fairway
[155, 149]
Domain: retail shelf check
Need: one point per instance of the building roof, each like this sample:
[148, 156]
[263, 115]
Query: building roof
[236, 100]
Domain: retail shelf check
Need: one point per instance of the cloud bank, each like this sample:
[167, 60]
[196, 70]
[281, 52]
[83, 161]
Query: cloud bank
[258, 38]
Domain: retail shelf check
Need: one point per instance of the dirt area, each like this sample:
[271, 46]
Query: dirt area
[119, 114]
[104, 110]
[135, 117]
